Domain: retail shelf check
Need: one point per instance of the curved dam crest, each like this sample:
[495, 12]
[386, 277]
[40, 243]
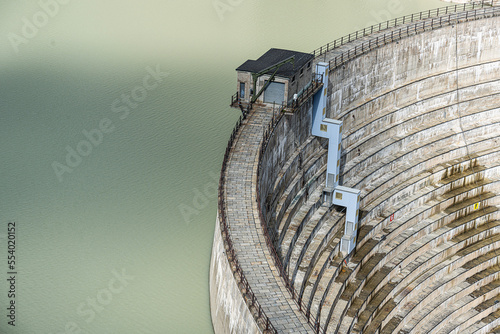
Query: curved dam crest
[420, 108]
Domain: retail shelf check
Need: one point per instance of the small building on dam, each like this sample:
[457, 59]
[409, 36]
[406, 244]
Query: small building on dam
[360, 190]
[277, 75]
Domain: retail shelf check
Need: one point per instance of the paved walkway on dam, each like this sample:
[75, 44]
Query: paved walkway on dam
[246, 232]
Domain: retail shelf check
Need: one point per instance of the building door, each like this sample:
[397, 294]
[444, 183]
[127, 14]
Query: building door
[275, 92]
[242, 90]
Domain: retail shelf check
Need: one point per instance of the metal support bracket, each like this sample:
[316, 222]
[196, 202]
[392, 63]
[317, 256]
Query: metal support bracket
[274, 67]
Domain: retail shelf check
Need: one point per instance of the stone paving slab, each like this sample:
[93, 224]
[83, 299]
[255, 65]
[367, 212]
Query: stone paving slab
[246, 232]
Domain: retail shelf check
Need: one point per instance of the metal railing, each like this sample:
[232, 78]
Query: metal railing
[400, 21]
[253, 305]
[316, 83]
[409, 30]
[235, 99]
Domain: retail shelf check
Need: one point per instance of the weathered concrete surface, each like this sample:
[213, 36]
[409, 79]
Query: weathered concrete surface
[402, 132]
[230, 313]
[285, 143]
[399, 107]
[400, 111]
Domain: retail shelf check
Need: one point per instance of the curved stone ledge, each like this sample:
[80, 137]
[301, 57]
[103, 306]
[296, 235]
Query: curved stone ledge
[230, 313]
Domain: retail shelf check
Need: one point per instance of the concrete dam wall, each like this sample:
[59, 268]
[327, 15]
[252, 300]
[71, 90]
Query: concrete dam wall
[420, 107]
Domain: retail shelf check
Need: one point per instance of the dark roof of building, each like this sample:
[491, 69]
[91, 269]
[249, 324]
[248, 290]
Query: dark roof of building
[274, 56]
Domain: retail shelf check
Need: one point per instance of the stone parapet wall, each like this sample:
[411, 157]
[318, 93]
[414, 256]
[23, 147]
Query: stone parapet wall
[230, 313]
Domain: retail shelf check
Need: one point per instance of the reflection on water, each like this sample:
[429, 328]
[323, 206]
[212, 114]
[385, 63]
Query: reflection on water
[122, 243]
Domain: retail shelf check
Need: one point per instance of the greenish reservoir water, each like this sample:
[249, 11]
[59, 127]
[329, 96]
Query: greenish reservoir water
[114, 198]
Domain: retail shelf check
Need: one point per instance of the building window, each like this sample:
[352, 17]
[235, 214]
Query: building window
[242, 90]
[301, 71]
[308, 64]
[293, 78]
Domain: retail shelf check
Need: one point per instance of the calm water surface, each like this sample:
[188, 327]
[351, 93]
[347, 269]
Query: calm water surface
[120, 242]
